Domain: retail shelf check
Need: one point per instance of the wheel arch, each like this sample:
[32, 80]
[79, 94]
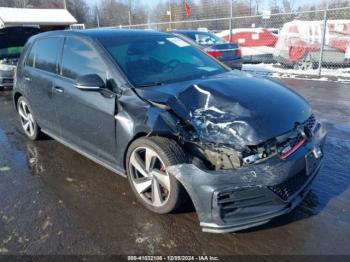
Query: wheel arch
[16, 97]
[137, 136]
[140, 135]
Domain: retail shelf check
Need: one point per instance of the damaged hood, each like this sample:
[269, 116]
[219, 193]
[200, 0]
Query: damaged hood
[233, 108]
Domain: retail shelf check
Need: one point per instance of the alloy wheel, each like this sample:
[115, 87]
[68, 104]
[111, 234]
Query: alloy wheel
[304, 63]
[27, 120]
[149, 176]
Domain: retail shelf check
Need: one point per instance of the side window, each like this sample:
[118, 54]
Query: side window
[80, 59]
[46, 54]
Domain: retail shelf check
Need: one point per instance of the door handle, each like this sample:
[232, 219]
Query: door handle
[27, 78]
[59, 90]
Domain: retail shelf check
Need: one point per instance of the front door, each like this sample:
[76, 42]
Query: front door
[86, 118]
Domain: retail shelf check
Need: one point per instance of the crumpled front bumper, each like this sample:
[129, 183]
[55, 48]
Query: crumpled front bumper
[232, 200]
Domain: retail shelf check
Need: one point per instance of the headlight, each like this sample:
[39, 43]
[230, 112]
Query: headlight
[223, 158]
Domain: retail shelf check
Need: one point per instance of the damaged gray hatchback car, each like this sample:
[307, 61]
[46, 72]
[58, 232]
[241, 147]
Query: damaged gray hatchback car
[176, 122]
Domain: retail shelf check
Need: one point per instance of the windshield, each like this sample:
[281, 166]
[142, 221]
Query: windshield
[158, 59]
[203, 38]
[11, 52]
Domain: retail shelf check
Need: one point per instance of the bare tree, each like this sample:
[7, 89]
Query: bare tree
[80, 10]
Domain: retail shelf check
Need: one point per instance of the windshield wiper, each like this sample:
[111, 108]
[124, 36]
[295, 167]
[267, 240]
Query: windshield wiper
[150, 84]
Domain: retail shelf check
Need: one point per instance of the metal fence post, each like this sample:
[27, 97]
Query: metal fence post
[231, 15]
[170, 16]
[323, 41]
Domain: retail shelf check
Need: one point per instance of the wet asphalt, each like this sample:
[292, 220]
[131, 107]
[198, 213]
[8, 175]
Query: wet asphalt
[55, 201]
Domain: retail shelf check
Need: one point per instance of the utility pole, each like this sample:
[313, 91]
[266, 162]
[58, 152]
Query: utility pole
[97, 18]
[130, 15]
[250, 7]
[64, 4]
[231, 15]
[323, 40]
[170, 16]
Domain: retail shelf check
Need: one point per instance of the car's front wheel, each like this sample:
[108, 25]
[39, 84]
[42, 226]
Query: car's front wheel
[27, 119]
[147, 160]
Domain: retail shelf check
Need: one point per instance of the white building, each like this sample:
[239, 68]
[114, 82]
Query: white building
[46, 19]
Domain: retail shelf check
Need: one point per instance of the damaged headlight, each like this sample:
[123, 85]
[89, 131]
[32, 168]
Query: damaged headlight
[257, 154]
[219, 157]
[228, 158]
[223, 158]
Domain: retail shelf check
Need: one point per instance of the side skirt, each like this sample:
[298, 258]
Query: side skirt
[105, 164]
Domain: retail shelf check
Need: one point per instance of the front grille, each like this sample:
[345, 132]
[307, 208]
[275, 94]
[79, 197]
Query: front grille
[295, 140]
[288, 188]
[310, 122]
[232, 202]
[292, 144]
[7, 81]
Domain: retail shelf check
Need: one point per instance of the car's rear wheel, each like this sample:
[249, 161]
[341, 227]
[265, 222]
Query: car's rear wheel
[305, 63]
[27, 119]
[147, 160]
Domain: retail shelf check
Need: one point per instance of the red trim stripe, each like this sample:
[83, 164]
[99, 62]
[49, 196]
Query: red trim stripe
[293, 149]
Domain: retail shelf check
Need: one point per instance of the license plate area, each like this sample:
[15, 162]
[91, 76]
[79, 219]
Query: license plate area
[227, 54]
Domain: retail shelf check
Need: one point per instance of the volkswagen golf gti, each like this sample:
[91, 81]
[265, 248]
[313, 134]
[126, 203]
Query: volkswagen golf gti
[178, 124]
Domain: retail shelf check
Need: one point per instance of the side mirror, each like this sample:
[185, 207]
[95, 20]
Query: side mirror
[90, 83]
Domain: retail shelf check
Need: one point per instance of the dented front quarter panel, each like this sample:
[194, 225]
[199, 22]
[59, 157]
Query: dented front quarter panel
[137, 117]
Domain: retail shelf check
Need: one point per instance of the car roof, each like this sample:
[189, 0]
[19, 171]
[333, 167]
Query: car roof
[100, 33]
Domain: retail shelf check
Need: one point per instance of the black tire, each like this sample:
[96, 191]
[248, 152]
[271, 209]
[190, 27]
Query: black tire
[36, 134]
[170, 153]
[2, 88]
[286, 65]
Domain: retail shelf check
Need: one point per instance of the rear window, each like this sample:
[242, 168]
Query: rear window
[44, 54]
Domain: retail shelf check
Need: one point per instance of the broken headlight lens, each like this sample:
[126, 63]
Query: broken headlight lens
[262, 152]
[223, 158]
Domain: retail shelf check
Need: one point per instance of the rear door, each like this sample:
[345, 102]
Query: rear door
[40, 72]
[86, 118]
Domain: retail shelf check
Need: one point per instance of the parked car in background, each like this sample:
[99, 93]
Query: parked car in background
[151, 107]
[257, 44]
[225, 52]
[12, 40]
[299, 44]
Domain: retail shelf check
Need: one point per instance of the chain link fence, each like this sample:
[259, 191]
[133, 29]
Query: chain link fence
[293, 42]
